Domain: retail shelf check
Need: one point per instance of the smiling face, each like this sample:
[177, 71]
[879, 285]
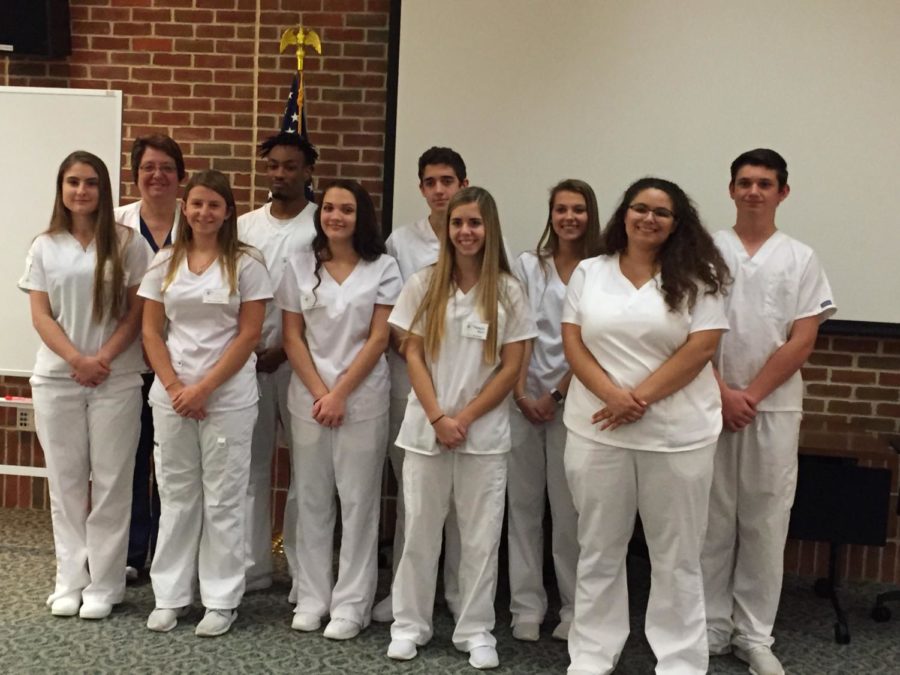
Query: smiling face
[755, 191]
[338, 216]
[569, 216]
[466, 230]
[205, 210]
[649, 219]
[81, 189]
[157, 176]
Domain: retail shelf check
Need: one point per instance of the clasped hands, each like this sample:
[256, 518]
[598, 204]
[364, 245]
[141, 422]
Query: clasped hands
[622, 407]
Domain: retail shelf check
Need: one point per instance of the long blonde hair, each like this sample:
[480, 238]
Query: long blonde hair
[490, 290]
[230, 248]
[107, 293]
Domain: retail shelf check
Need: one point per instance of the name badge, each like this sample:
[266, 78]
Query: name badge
[309, 300]
[216, 296]
[477, 330]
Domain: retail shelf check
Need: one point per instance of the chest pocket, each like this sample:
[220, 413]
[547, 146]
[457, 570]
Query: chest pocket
[780, 301]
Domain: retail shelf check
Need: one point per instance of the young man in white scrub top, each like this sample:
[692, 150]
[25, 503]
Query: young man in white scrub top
[279, 229]
[779, 297]
[442, 173]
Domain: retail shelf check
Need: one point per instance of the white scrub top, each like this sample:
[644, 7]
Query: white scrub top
[337, 320]
[546, 295]
[459, 373]
[203, 320]
[415, 247]
[279, 241]
[130, 215]
[631, 332]
[781, 283]
[59, 266]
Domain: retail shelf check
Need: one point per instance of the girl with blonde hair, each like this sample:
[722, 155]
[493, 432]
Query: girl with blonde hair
[465, 322]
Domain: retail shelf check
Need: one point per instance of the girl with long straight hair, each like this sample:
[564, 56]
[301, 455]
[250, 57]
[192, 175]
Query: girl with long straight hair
[572, 233]
[204, 306]
[465, 322]
[335, 301]
[82, 276]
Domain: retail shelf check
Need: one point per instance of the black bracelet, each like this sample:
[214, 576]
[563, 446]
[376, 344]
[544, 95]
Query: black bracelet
[437, 419]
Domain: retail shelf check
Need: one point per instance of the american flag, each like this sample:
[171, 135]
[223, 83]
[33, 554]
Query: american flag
[294, 118]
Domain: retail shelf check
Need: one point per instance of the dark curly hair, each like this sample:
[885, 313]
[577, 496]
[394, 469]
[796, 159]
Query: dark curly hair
[687, 259]
[367, 239]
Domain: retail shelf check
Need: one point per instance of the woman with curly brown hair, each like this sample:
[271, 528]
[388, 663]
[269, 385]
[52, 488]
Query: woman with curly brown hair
[640, 324]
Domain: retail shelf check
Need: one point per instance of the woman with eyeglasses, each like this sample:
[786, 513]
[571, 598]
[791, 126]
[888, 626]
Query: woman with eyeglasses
[640, 325]
[157, 167]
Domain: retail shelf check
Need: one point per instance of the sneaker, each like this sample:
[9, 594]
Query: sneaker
[215, 622]
[402, 650]
[92, 609]
[131, 574]
[561, 632]
[306, 622]
[483, 658]
[67, 605]
[527, 631]
[760, 659]
[383, 612]
[341, 629]
[164, 620]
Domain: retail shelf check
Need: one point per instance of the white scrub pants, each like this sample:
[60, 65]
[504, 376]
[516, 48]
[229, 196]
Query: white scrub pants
[273, 388]
[89, 436]
[476, 485]
[348, 460]
[451, 528]
[202, 468]
[536, 463]
[754, 481]
[671, 491]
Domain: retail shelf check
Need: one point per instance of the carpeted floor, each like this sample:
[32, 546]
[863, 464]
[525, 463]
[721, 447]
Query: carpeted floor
[33, 641]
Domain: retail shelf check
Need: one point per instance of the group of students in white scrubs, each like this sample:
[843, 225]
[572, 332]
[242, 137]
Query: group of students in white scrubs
[585, 369]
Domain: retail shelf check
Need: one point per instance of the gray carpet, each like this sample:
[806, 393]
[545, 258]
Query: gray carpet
[33, 641]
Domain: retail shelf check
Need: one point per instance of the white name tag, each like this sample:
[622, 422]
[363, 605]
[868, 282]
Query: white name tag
[309, 301]
[216, 296]
[477, 330]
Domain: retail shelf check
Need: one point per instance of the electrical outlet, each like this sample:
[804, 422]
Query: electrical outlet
[25, 419]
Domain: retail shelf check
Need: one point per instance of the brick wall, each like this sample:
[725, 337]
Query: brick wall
[191, 68]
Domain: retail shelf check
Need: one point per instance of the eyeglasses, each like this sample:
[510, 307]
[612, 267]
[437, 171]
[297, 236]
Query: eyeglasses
[153, 168]
[659, 213]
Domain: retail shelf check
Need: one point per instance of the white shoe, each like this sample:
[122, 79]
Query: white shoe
[402, 650]
[483, 658]
[383, 612]
[91, 609]
[561, 632]
[341, 629]
[527, 631]
[66, 605]
[215, 622]
[760, 659]
[306, 622]
[164, 620]
[131, 574]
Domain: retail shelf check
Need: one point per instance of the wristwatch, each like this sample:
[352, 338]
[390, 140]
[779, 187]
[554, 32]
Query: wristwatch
[557, 396]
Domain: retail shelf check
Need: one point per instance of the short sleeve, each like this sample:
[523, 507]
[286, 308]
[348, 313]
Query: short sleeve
[391, 248]
[572, 306]
[287, 295]
[253, 281]
[708, 313]
[815, 298]
[409, 300]
[519, 271]
[151, 284]
[519, 322]
[138, 255]
[33, 278]
[391, 282]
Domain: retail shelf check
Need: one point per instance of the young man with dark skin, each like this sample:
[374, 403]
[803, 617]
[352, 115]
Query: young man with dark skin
[278, 229]
[779, 297]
